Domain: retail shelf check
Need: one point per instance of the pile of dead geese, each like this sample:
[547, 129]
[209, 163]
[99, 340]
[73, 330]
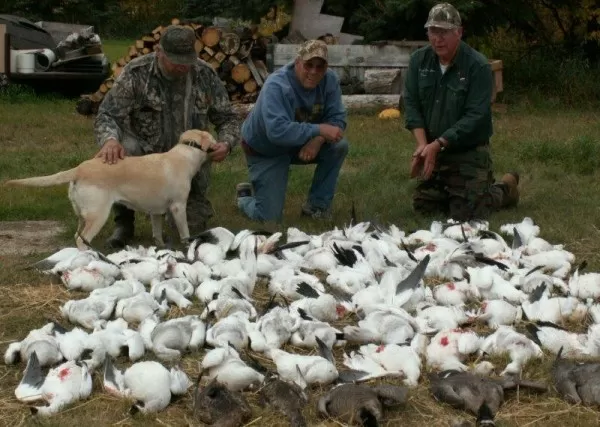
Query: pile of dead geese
[409, 303]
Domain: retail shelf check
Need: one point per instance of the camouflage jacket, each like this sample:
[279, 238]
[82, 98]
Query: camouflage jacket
[146, 106]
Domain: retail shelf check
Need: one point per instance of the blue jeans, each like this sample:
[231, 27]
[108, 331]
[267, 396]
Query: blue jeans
[269, 178]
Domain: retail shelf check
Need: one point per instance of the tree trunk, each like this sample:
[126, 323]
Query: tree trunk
[383, 81]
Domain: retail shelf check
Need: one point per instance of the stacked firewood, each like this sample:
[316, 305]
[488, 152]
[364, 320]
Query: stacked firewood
[231, 52]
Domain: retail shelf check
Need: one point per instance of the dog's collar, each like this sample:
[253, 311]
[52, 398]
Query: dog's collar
[193, 144]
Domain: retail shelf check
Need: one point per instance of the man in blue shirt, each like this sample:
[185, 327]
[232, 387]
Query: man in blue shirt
[298, 118]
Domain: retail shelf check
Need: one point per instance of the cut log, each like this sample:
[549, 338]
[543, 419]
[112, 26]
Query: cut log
[262, 69]
[103, 88]
[121, 62]
[175, 21]
[211, 36]
[383, 81]
[234, 59]
[220, 57]
[198, 46]
[245, 49]
[214, 63]
[109, 83]
[205, 56]
[139, 44]
[146, 51]
[250, 85]
[240, 73]
[97, 96]
[132, 51]
[150, 40]
[158, 30]
[229, 43]
[210, 51]
[117, 72]
[256, 76]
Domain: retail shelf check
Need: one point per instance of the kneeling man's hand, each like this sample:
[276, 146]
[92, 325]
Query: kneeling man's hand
[310, 150]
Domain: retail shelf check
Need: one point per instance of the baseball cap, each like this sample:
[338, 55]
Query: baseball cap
[313, 49]
[178, 44]
[443, 15]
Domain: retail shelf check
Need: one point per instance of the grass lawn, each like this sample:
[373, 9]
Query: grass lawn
[557, 153]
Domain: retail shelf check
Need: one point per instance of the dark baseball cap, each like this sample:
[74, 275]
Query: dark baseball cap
[178, 43]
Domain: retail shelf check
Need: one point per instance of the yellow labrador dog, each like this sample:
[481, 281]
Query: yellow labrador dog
[154, 183]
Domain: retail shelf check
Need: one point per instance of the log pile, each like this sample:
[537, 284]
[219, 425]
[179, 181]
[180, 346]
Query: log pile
[237, 55]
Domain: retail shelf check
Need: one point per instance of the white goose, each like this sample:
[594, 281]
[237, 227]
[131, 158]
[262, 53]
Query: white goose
[90, 312]
[111, 341]
[177, 290]
[168, 340]
[149, 384]
[120, 289]
[277, 326]
[211, 246]
[96, 275]
[141, 306]
[449, 348]
[41, 341]
[63, 385]
[519, 348]
[225, 365]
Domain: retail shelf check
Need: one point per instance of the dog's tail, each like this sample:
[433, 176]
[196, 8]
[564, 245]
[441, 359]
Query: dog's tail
[45, 181]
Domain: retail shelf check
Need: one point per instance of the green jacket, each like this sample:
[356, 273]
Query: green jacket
[455, 105]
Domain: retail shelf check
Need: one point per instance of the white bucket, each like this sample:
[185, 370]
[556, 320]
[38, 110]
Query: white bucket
[26, 62]
[44, 59]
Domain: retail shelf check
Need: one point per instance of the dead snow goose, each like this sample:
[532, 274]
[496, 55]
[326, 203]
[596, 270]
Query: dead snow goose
[41, 341]
[96, 275]
[449, 348]
[225, 365]
[177, 291]
[210, 246]
[140, 306]
[519, 348]
[120, 289]
[90, 312]
[148, 383]
[168, 340]
[63, 385]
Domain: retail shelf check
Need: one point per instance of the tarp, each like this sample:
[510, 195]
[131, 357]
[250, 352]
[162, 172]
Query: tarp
[24, 34]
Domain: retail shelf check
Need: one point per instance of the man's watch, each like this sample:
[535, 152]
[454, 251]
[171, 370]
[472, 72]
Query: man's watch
[443, 145]
[228, 147]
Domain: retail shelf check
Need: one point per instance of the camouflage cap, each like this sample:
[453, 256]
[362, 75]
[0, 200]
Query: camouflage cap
[178, 44]
[443, 15]
[313, 49]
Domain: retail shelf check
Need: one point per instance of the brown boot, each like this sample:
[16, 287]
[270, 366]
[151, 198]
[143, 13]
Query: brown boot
[511, 195]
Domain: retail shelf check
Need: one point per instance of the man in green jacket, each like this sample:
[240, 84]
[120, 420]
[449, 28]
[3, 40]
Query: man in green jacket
[447, 101]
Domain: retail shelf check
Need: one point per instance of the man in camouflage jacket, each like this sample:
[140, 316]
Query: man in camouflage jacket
[156, 98]
[447, 100]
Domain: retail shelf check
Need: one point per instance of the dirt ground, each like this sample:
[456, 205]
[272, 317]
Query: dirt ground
[29, 237]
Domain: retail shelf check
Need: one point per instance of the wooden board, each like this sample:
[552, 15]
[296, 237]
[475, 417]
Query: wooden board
[351, 102]
[350, 55]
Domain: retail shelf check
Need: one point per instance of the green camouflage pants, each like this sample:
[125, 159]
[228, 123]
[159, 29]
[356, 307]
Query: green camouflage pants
[462, 187]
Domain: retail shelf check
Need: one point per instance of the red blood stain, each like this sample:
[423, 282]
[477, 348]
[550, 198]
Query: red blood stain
[380, 348]
[63, 373]
[444, 341]
[340, 310]
[431, 247]
[451, 286]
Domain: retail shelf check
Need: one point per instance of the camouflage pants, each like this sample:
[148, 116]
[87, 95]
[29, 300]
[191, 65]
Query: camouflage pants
[199, 209]
[462, 187]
